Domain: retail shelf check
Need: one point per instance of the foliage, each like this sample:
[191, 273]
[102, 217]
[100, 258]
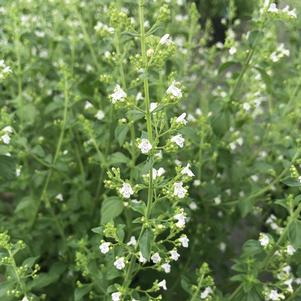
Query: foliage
[142, 160]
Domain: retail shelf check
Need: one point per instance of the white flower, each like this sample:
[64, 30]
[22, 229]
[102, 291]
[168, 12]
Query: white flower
[290, 250]
[174, 91]
[163, 284]
[118, 95]
[156, 258]
[158, 172]
[144, 146]
[179, 190]
[100, 26]
[126, 190]
[141, 258]
[217, 200]
[178, 140]
[153, 106]
[273, 8]
[119, 263]
[193, 206]
[165, 40]
[8, 129]
[139, 96]
[181, 119]
[104, 247]
[196, 183]
[88, 105]
[25, 298]
[166, 267]
[174, 255]
[184, 241]
[59, 197]
[132, 242]
[206, 292]
[181, 220]
[116, 296]
[187, 171]
[18, 171]
[232, 50]
[100, 115]
[275, 296]
[264, 240]
[5, 139]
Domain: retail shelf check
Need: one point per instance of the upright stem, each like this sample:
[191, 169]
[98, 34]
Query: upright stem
[128, 273]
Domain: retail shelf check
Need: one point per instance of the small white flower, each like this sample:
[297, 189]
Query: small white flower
[264, 240]
[178, 140]
[217, 200]
[100, 115]
[174, 91]
[116, 296]
[25, 298]
[88, 105]
[18, 171]
[145, 146]
[174, 255]
[273, 8]
[290, 250]
[139, 96]
[182, 119]
[166, 267]
[104, 247]
[187, 171]
[8, 129]
[275, 296]
[119, 263]
[163, 284]
[118, 95]
[165, 40]
[222, 246]
[126, 190]
[193, 206]
[156, 258]
[206, 292]
[153, 106]
[196, 183]
[179, 190]
[141, 258]
[60, 197]
[181, 220]
[232, 50]
[184, 241]
[5, 139]
[132, 242]
[158, 172]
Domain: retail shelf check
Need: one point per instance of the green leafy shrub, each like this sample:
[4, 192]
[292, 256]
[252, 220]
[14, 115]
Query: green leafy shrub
[139, 163]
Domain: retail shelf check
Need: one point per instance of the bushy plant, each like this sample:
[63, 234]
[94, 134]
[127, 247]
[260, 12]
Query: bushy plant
[140, 160]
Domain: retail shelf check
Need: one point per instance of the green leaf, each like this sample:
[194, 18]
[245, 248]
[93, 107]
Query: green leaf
[111, 208]
[7, 167]
[254, 37]
[294, 233]
[82, 291]
[292, 182]
[145, 243]
[118, 158]
[134, 115]
[227, 65]
[45, 279]
[121, 132]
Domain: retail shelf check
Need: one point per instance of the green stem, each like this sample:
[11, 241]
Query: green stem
[128, 274]
[43, 196]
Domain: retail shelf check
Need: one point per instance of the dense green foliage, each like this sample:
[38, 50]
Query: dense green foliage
[142, 159]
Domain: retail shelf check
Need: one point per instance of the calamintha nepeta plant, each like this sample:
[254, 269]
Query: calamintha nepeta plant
[179, 149]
